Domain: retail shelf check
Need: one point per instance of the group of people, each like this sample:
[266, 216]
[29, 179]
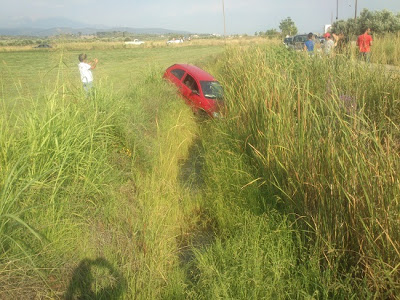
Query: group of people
[339, 43]
[332, 41]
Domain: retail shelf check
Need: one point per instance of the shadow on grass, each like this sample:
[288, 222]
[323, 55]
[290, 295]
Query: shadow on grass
[202, 234]
[95, 279]
[190, 173]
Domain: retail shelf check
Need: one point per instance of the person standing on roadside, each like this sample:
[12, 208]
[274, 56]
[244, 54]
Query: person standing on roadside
[85, 71]
[329, 44]
[309, 44]
[364, 43]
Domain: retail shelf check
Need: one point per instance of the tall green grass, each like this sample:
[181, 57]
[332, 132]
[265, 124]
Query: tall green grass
[54, 167]
[385, 49]
[323, 138]
[92, 198]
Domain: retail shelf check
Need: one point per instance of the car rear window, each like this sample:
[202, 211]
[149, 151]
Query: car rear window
[178, 73]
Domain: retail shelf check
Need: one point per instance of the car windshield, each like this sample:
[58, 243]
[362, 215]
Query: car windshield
[301, 38]
[212, 89]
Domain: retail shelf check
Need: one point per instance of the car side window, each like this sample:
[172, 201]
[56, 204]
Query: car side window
[191, 83]
[178, 73]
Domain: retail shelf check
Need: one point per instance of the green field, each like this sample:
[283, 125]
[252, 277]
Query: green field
[25, 73]
[128, 195]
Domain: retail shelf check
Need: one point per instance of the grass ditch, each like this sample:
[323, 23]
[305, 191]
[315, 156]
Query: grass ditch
[90, 204]
[126, 195]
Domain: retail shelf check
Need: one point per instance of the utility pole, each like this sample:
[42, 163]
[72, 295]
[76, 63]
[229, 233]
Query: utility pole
[337, 10]
[223, 11]
[355, 11]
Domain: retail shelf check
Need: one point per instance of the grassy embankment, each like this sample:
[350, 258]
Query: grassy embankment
[293, 195]
[320, 139]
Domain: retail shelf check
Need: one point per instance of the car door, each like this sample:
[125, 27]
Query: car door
[191, 91]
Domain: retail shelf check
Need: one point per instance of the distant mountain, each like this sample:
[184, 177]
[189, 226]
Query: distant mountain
[41, 23]
[147, 30]
[40, 32]
[56, 26]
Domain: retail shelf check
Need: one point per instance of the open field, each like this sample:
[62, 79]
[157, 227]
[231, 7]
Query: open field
[128, 195]
[26, 72]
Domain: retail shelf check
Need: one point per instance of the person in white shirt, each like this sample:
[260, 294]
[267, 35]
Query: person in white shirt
[86, 73]
[329, 44]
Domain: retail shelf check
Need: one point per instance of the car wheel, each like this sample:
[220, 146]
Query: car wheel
[202, 115]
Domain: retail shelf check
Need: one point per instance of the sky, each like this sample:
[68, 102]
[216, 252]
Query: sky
[201, 16]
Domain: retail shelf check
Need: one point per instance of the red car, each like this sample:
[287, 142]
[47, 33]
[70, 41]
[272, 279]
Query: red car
[199, 89]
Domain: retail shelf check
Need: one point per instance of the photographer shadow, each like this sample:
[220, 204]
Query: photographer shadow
[95, 279]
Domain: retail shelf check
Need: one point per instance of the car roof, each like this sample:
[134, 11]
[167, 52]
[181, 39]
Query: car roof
[194, 71]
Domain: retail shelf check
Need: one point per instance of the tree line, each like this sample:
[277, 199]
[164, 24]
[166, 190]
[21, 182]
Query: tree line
[380, 22]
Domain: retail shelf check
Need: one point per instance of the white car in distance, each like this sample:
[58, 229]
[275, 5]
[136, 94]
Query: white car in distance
[175, 41]
[134, 42]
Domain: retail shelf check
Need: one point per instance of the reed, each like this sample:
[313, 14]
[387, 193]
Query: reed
[323, 139]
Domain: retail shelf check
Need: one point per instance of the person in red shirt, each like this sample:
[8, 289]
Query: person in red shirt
[364, 42]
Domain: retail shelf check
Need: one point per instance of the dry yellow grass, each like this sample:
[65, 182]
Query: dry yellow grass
[103, 45]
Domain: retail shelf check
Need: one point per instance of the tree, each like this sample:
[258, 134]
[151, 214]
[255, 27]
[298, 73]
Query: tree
[379, 21]
[271, 33]
[288, 27]
[349, 27]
